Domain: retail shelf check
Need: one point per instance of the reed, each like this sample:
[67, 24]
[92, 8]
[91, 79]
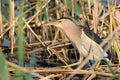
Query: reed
[31, 46]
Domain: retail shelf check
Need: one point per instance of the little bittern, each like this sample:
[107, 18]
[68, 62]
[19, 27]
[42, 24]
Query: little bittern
[86, 46]
[79, 39]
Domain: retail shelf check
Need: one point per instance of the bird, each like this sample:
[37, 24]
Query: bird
[77, 36]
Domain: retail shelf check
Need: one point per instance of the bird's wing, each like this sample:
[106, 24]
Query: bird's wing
[91, 34]
[95, 37]
[92, 47]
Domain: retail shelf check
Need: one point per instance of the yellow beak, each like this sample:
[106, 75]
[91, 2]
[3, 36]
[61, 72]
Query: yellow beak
[52, 23]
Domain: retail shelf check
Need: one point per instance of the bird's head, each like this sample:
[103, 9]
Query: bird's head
[61, 23]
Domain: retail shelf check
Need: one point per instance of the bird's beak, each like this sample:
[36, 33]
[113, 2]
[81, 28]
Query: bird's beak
[52, 23]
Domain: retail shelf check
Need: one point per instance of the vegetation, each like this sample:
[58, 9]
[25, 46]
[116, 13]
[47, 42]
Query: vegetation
[29, 50]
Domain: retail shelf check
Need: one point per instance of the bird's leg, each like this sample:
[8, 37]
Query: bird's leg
[75, 64]
[81, 59]
[91, 76]
[97, 62]
[80, 66]
[85, 61]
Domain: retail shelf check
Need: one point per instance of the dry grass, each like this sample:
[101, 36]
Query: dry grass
[46, 52]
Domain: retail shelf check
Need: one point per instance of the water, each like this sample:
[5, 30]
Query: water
[104, 2]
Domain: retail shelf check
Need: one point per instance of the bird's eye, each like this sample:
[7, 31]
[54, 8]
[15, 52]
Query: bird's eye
[60, 21]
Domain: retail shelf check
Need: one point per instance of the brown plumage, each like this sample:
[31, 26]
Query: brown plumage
[79, 39]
